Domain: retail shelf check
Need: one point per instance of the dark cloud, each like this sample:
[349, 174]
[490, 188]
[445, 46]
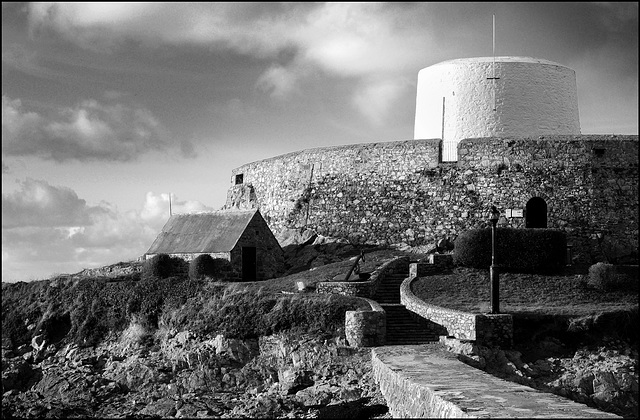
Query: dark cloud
[87, 132]
[37, 203]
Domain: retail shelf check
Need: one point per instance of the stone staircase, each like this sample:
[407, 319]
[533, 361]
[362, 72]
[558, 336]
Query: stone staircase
[403, 326]
[389, 289]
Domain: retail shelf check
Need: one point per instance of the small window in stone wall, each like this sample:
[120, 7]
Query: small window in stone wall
[598, 152]
[239, 179]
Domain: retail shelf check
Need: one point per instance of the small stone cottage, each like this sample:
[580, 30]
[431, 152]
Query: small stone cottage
[239, 236]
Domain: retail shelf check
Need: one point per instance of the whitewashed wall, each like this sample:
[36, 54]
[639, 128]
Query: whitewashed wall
[532, 97]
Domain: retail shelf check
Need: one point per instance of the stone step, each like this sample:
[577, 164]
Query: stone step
[394, 277]
[389, 290]
[394, 341]
[404, 327]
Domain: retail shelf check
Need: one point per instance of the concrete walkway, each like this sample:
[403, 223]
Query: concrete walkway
[423, 381]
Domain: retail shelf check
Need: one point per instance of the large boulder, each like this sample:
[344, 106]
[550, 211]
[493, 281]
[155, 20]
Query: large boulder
[293, 380]
[240, 351]
[300, 237]
[68, 388]
[132, 373]
[316, 395]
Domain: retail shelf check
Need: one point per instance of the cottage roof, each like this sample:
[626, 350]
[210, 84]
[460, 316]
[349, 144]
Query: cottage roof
[202, 232]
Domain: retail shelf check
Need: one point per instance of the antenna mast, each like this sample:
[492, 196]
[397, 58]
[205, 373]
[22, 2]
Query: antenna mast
[170, 205]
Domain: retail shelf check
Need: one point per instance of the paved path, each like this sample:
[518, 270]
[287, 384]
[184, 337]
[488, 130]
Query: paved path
[428, 381]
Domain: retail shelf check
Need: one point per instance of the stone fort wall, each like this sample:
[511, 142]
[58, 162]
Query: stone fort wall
[401, 192]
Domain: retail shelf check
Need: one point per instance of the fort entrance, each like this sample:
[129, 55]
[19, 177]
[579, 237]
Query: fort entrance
[536, 213]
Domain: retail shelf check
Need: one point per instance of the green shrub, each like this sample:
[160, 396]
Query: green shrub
[222, 268]
[162, 266]
[607, 277]
[517, 250]
[201, 266]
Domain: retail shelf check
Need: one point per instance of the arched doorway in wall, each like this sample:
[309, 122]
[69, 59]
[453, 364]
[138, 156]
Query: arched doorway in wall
[536, 213]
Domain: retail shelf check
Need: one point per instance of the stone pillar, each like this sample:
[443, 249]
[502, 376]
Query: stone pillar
[365, 328]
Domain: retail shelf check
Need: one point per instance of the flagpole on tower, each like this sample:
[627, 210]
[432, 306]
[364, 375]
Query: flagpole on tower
[493, 78]
[494, 62]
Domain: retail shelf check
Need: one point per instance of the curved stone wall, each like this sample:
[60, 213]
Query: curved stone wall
[485, 329]
[398, 192]
[455, 99]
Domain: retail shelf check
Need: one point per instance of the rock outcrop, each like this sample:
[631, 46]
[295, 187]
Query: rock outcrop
[183, 375]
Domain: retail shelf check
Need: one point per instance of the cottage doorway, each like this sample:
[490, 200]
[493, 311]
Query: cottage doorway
[536, 213]
[249, 263]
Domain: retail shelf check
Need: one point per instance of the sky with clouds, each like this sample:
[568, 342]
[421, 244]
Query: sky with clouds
[107, 108]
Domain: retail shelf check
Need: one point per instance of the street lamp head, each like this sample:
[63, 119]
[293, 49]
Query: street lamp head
[495, 215]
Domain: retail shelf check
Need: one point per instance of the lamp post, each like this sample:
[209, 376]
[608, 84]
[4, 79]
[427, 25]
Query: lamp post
[493, 270]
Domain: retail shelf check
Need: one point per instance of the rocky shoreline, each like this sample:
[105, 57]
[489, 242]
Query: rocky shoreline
[184, 376]
[180, 375]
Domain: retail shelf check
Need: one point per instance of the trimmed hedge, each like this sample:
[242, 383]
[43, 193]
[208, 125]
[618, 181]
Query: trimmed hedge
[201, 266]
[214, 268]
[517, 250]
[162, 266]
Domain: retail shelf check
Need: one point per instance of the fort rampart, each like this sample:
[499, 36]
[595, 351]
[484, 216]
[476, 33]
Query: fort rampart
[401, 192]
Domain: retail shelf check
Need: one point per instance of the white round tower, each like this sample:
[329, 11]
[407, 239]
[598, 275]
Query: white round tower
[516, 96]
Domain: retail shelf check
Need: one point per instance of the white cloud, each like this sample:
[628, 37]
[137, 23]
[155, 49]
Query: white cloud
[48, 229]
[278, 81]
[363, 39]
[91, 130]
[374, 98]
[155, 210]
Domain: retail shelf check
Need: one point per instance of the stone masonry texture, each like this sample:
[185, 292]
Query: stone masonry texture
[399, 192]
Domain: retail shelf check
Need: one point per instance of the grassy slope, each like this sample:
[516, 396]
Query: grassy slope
[95, 307]
[86, 309]
[328, 272]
